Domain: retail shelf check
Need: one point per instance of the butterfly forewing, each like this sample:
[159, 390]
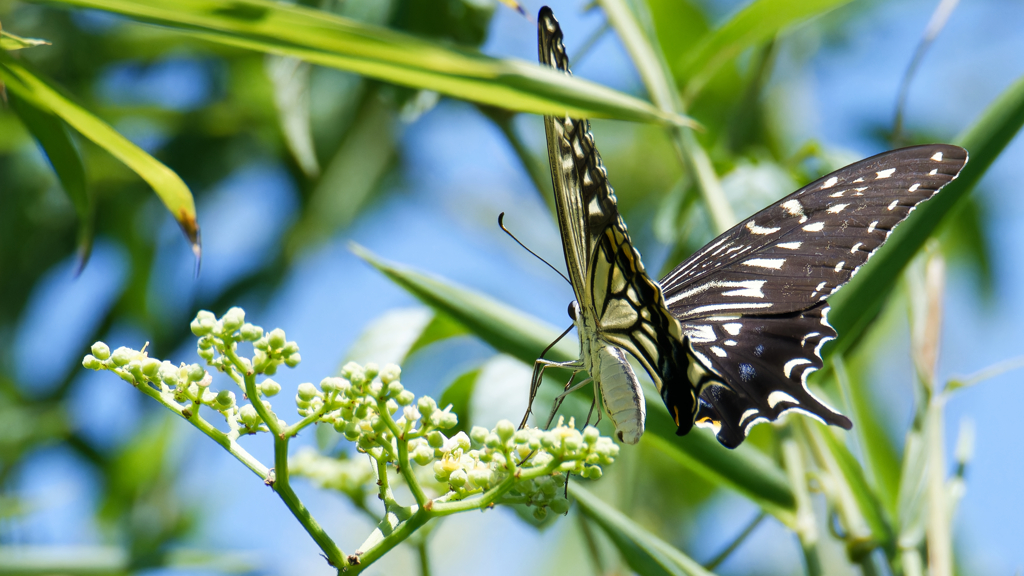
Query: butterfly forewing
[799, 250]
[616, 297]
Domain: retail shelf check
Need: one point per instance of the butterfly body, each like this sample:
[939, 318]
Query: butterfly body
[731, 334]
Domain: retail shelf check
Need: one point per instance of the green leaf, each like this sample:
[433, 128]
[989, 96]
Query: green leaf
[391, 337]
[856, 305]
[500, 325]
[864, 520]
[351, 178]
[9, 41]
[645, 553]
[460, 395]
[326, 39]
[39, 93]
[745, 470]
[52, 134]
[290, 78]
[757, 22]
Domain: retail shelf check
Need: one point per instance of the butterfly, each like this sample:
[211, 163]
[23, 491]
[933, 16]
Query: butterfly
[730, 335]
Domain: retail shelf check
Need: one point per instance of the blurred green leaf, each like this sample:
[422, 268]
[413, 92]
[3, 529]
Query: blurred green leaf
[290, 77]
[745, 470]
[645, 553]
[501, 326]
[865, 522]
[322, 38]
[351, 177]
[755, 23]
[391, 337]
[9, 41]
[460, 395]
[39, 93]
[881, 457]
[52, 134]
[856, 305]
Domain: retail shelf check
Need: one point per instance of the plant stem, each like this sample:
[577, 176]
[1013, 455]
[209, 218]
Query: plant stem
[805, 527]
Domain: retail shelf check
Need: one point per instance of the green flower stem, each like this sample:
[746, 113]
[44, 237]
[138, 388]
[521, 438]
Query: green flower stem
[281, 483]
[437, 509]
[404, 465]
[226, 441]
[805, 527]
[386, 495]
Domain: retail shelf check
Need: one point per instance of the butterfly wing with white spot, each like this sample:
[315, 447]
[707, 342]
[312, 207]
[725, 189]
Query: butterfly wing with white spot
[799, 250]
[759, 369]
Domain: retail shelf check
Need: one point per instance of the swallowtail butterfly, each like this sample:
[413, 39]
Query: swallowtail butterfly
[730, 336]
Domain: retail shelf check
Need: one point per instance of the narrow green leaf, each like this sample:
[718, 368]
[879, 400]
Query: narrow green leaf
[33, 89]
[351, 178]
[654, 71]
[290, 78]
[864, 519]
[856, 305]
[329, 40]
[501, 326]
[744, 470]
[513, 332]
[9, 41]
[757, 22]
[645, 553]
[52, 134]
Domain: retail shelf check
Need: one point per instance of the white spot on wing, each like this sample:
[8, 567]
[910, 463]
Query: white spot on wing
[788, 368]
[871, 227]
[795, 208]
[934, 172]
[733, 328]
[729, 342]
[837, 208]
[893, 204]
[816, 227]
[773, 263]
[839, 266]
[858, 180]
[718, 352]
[885, 173]
[914, 188]
[837, 194]
[803, 341]
[701, 333]
[749, 288]
[759, 230]
[790, 245]
[748, 414]
[701, 310]
[830, 182]
[780, 396]
[856, 247]
[937, 156]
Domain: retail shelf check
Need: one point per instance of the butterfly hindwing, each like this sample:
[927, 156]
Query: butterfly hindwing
[761, 364]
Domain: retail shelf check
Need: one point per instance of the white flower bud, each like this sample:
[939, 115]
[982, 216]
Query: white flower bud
[100, 350]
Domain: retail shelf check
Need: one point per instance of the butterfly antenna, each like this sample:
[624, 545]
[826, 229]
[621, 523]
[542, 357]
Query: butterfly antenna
[501, 224]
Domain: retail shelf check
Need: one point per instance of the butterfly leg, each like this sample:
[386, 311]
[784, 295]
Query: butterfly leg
[538, 376]
[561, 397]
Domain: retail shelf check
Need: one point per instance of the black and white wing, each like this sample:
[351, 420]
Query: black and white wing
[752, 302]
[611, 286]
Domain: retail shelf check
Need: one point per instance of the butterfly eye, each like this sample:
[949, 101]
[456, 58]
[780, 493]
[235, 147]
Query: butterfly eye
[572, 311]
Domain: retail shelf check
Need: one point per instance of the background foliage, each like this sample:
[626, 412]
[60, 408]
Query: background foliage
[281, 163]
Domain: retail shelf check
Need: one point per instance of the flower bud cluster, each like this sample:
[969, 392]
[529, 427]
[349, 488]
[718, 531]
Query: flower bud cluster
[219, 338]
[369, 406]
[185, 383]
[476, 462]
